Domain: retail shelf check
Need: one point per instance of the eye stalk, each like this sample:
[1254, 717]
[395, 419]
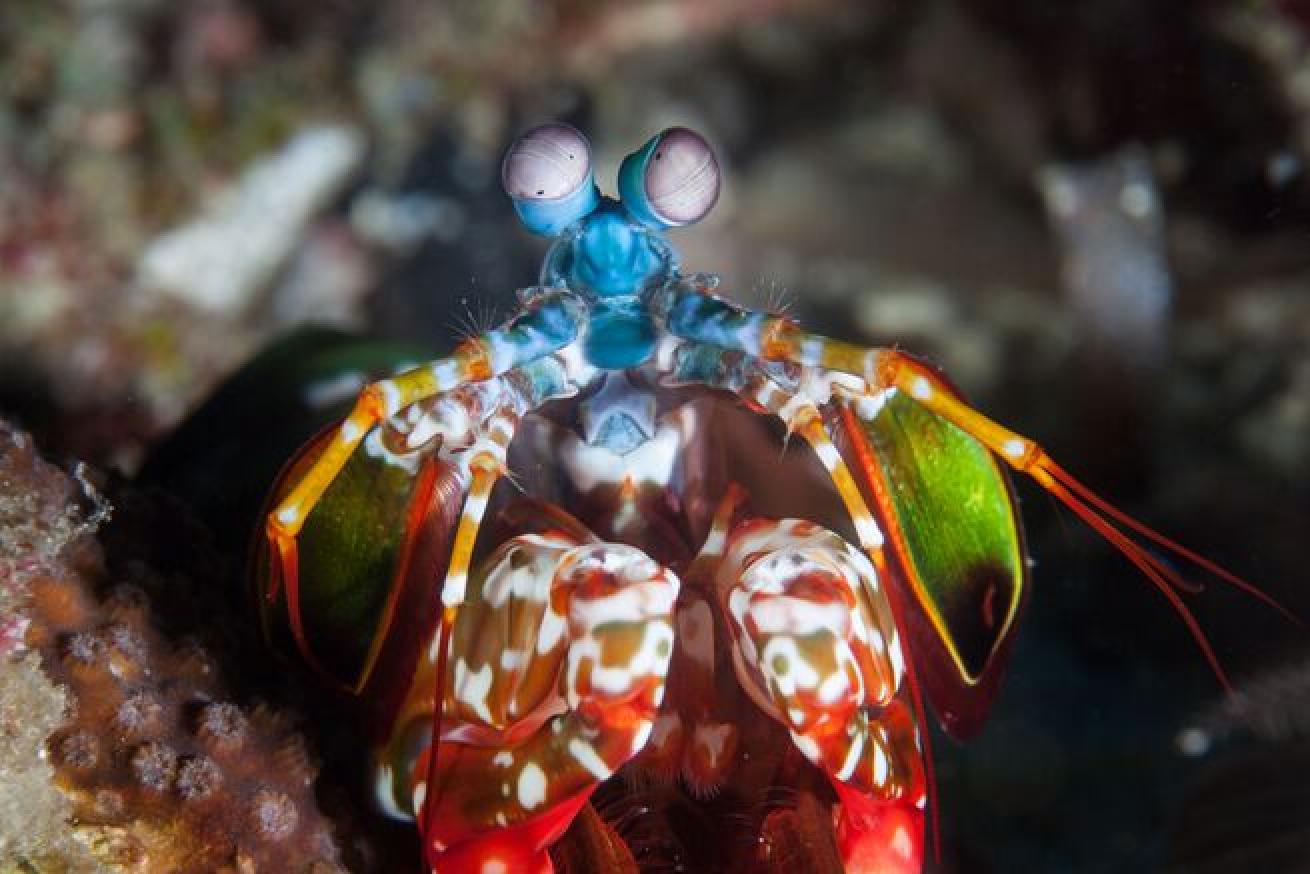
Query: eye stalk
[671, 181]
[548, 175]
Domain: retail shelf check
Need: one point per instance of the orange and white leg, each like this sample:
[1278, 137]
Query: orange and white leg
[550, 324]
[463, 409]
[485, 461]
[475, 423]
[816, 641]
[376, 403]
[694, 313]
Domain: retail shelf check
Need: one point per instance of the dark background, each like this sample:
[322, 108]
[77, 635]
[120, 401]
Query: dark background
[1093, 214]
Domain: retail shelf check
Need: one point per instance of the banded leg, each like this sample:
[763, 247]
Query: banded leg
[691, 311]
[486, 462]
[816, 636]
[552, 321]
[449, 431]
[558, 668]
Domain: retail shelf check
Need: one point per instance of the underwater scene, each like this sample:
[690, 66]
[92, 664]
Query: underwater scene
[654, 436]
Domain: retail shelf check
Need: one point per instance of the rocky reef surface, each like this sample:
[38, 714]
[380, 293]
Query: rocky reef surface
[123, 746]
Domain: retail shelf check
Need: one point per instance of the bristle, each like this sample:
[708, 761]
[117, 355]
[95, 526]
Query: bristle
[778, 797]
[700, 786]
[636, 817]
[640, 778]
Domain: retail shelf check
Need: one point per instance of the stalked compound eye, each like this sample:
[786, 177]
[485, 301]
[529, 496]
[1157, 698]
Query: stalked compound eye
[546, 163]
[671, 181]
[547, 173]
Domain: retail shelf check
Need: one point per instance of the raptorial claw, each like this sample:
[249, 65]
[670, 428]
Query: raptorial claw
[556, 672]
[817, 641]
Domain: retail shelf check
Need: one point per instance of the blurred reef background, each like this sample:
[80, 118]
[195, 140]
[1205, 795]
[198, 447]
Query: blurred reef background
[1094, 214]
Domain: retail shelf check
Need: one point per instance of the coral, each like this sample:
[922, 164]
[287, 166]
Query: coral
[38, 521]
[125, 749]
[32, 810]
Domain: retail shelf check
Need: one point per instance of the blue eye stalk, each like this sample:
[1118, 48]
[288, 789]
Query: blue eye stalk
[547, 174]
[609, 248]
[671, 181]
[611, 252]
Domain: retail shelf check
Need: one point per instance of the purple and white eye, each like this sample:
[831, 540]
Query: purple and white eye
[547, 163]
[682, 177]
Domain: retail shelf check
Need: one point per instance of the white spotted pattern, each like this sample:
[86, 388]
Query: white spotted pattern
[473, 687]
[531, 786]
[585, 755]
